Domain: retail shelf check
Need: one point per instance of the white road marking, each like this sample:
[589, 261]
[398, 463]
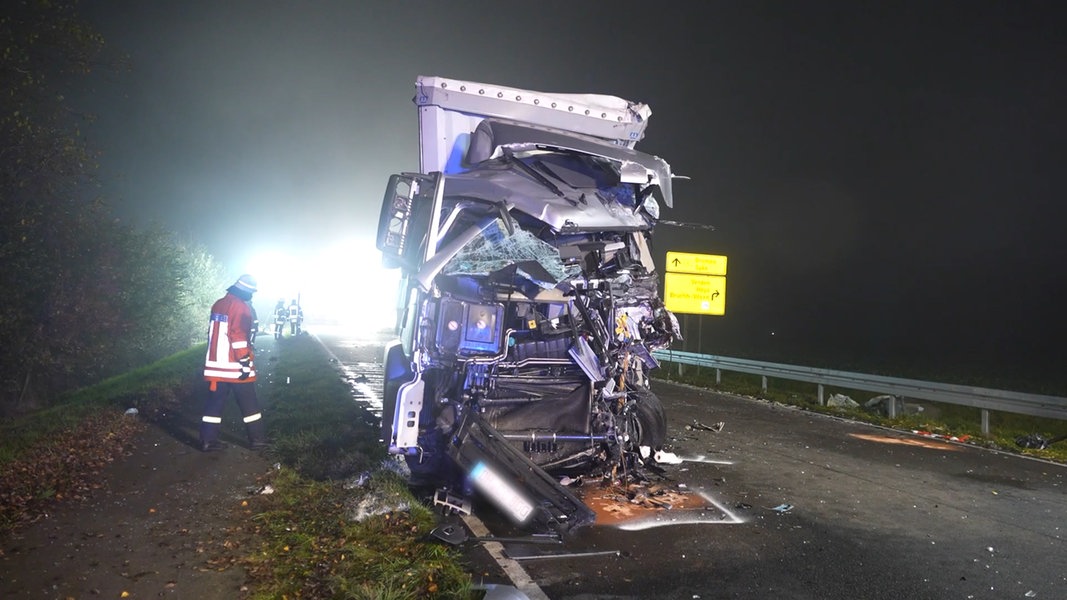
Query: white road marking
[518, 576]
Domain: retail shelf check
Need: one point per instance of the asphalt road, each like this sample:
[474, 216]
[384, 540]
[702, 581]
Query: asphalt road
[799, 505]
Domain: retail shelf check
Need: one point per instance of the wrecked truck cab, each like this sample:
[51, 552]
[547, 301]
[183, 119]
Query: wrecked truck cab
[528, 306]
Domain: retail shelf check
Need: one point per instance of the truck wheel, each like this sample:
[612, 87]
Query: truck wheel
[649, 420]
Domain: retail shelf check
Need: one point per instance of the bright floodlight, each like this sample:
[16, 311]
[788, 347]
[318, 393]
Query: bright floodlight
[346, 286]
[342, 287]
[278, 273]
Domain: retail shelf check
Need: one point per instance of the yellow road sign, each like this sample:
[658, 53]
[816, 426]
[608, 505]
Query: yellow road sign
[698, 264]
[694, 294]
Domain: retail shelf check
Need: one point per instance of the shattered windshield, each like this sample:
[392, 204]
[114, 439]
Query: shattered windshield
[497, 249]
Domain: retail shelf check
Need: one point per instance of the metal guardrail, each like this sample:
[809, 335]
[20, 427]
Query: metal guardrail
[1038, 405]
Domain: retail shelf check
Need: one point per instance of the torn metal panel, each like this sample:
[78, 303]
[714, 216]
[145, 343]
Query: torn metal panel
[491, 138]
[572, 210]
[519, 488]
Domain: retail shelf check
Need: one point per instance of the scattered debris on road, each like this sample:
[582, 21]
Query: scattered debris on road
[717, 427]
[841, 401]
[567, 555]
[456, 535]
[623, 503]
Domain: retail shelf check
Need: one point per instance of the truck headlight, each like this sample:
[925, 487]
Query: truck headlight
[467, 328]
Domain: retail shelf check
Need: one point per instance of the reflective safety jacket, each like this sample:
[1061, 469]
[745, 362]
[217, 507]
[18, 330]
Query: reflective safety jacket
[295, 313]
[229, 340]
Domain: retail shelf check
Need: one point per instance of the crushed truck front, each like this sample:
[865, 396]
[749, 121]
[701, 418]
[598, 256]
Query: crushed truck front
[529, 302]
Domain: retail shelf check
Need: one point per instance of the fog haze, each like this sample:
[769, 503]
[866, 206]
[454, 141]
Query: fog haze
[886, 179]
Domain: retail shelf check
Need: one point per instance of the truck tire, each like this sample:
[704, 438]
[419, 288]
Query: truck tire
[649, 420]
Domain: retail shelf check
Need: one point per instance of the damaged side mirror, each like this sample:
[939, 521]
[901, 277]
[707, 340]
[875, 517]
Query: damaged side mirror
[404, 221]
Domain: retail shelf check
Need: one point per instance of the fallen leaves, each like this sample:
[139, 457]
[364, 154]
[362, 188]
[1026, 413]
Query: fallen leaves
[63, 467]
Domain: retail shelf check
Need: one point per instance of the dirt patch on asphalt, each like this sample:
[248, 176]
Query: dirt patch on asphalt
[168, 521]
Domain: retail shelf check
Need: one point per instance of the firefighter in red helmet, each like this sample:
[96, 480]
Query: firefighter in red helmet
[229, 366]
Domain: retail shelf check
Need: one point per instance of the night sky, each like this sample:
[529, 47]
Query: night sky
[885, 178]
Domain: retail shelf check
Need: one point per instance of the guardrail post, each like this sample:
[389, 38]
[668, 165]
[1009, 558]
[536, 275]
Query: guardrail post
[891, 411]
[718, 376]
[822, 402]
[985, 422]
[764, 377]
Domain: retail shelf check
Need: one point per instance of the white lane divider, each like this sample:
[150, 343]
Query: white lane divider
[518, 576]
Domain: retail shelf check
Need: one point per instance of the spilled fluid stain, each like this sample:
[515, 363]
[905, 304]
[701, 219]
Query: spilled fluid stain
[685, 508]
[922, 443]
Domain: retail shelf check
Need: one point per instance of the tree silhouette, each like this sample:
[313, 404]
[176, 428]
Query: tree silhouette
[84, 297]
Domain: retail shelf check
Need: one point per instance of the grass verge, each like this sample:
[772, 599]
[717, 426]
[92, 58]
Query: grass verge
[148, 389]
[340, 523]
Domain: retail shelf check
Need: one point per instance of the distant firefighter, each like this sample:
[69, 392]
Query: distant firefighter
[296, 318]
[281, 315]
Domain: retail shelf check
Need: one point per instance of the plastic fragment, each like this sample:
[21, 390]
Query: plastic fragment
[667, 458]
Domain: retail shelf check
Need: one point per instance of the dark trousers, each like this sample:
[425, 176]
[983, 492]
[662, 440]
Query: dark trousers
[245, 393]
